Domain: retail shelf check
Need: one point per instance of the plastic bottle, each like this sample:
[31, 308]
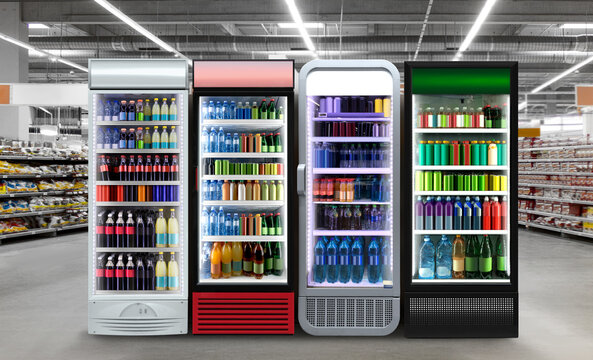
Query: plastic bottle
[211, 111]
[458, 258]
[477, 214]
[444, 258]
[449, 213]
[472, 254]
[374, 262]
[221, 146]
[426, 268]
[419, 210]
[236, 143]
[161, 230]
[492, 154]
[496, 213]
[213, 222]
[172, 138]
[485, 261]
[161, 273]
[344, 261]
[236, 224]
[319, 265]
[226, 260]
[220, 222]
[226, 114]
[429, 214]
[216, 261]
[205, 263]
[458, 217]
[332, 261]
[439, 214]
[156, 138]
[467, 214]
[172, 230]
[237, 259]
[247, 259]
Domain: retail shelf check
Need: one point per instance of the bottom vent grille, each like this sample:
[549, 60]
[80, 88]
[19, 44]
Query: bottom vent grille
[349, 312]
[461, 311]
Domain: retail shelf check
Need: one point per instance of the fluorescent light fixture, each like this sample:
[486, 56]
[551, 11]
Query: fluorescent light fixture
[139, 28]
[48, 130]
[475, 28]
[40, 52]
[38, 26]
[577, 26]
[522, 105]
[562, 74]
[298, 21]
[309, 25]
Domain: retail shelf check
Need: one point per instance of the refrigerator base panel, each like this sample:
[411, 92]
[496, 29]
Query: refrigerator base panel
[139, 317]
[243, 313]
[349, 316]
[461, 315]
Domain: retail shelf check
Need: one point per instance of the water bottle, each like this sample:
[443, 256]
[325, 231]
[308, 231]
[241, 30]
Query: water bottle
[332, 260]
[221, 145]
[213, 141]
[219, 190]
[236, 224]
[213, 223]
[100, 139]
[221, 230]
[444, 258]
[357, 259]
[205, 111]
[205, 261]
[204, 220]
[232, 110]
[228, 143]
[211, 111]
[319, 267]
[99, 111]
[477, 214]
[385, 260]
[212, 190]
[240, 112]
[114, 111]
[458, 217]
[247, 110]
[228, 224]
[374, 225]
[206, 190]
[345, 265]
[205, 140]
[236, 143]
[226, 114]
[374, 270]
[426, 267]
[107, 111]
[218, 111]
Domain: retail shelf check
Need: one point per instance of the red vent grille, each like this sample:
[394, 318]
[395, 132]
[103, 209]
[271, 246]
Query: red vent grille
[243, 313]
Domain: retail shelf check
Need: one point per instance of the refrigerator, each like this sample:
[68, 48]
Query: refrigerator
[459, 200]
[244, 227]
[138, 210]
[348, 190]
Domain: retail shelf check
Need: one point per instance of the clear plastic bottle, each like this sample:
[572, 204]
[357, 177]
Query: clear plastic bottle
[220, 138]
[164, 110]
[173, 110]
[344, 260]
[332, 260]
[426, 268]
[213, 141]
[444, 259]
[374, 262]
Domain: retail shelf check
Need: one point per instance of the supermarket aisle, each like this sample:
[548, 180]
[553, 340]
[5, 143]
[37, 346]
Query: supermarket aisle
[43, 310]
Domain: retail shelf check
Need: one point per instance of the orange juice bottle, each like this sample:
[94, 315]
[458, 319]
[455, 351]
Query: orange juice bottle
[343, 190]
[216, 261]
[350, 190]
[226, 260]
[237, 252]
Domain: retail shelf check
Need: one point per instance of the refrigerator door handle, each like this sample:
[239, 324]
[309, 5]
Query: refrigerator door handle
[301, 171]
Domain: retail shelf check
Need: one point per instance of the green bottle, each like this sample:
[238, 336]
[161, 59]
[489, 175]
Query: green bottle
[271, 227]
[485, 262]
[254, 111]
[272, 110]
[278, 224]
[264, 143]
[268, 259]
[278, 142]
[263, 110]
[264, 225]
[472, 254]
[501, 259]
[278, 261]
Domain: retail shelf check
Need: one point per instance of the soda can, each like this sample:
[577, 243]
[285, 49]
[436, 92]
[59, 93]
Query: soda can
[444, 153]
[419, 181]
[225, 167]
[217, 167]
[496, 184]
[262, 169]
[446, 183]
[428, 181]
[475, 181]
[467, 182]
[232, 169]
[503, 183]
[438, 181]
[491, 182]
[459, 182]
[255, 169]
[481, 182]
[280, 169]
[437, 153]
[422, 153]
[430, 153]
[243, 168]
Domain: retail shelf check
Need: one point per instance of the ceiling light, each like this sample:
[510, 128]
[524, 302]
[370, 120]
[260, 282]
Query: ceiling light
[309, 25]
[562, 74]
[139, 28]
[48, 130]
[475, 28]
[298, 21]
[522, 105]
[576, 26]
[38, 26]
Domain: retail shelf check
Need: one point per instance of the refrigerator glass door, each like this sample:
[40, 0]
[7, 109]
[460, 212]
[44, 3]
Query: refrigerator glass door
[243, 195]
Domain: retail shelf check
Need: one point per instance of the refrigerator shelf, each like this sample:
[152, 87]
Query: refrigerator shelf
[41, 193]
[357, 202]
[352, 119]
[242, 177]
[461, 281]
[352, 233]
[459, 131]
[468, 193]
[39, 176]
[555, 160]
[250, 203]
[139, 203]
[248, 155]
[137, 151]
[243, 122]
[243, 238]
[554, 186]
[461, 232]
[246, 280]
[139, 123]
[350, 285]
[137, 249]
[462, 167]
[360, 171]
[350, 139]
[137, 182]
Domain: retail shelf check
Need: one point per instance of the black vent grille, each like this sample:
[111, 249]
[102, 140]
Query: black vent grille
[461, 311]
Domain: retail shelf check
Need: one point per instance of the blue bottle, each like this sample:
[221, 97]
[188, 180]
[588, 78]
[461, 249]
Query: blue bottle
[444, 258]
[374, 270]
[477, 214]
[221, 144]
[232, 110]
[426, 266]
[123, 143]
[204, 139]
[228, 143]
[236, 224]
[345, 263]
[467, 214]
[239, 112]
[332, 260]
[357, 260]
[218, 110]
[385, 260]
[205, 111]
[206, 190]
[228, 224]
[205, 219]
[236, 143]
[122, 111]
[219, 190]
[458, 217]
[212, 190]
[213, 141]
[319, 267]
[375, 218]
[221, 229]
[213, 223]
[205, 265]
[211, 111]
[247, 111]
[226, 113]
[100, 111]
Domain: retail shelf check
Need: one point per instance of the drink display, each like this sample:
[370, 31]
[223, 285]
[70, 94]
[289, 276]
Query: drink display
[245, 259]
[438, 180]
[460, 213]
[219, 141]
[215, 222]
[367, 155]
[486, 116]
[462, 152]
[336, 189]
[240, 190]
[237, 167]
[137, 110]
[140, 138]
[222, 109]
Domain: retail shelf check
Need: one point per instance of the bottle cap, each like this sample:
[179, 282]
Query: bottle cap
[173, 99]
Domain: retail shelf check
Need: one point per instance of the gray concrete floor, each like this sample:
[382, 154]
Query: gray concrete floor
[43, 314]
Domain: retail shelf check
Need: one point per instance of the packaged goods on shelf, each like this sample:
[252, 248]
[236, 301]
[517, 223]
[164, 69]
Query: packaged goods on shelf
[12, 168]
[12, 225]
[15, 186]
[44, 152]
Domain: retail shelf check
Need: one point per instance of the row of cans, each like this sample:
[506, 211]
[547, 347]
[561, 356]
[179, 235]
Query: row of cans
[226, 167]
[438, 181]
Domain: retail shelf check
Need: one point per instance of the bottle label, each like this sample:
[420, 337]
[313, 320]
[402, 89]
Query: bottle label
[373, 260]
[119, 273]
[109, 273]
[278, 231]
[278, 264]
[174, 168]
[173, 239]
[237, 266]
[458, 265]
[100, 230]
[443, 272]
[258, 268]
[119, 230]
[357, 260]
[501, 263]
[161, 282]
[130, 230]
[269, 263]
[332, 260]
[272, 231]
[486, 265]
[161, 239]
[173, 282]
[172, 117]
[248, 266]
[319, 260]
[226, 268]
[471, 264]
[100, 272]
[344, 260]
[130, 273]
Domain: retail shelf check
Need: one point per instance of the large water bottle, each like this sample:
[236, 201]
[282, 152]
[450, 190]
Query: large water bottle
[345, 263]
[226, 113]
[100, 139]
[426, 267]
[205, 261]
[205, 140]
[206, 190]
[211, 110]
[319, 267]
[115, 111]
[205, 110]
[357, 259]
[107, 109]
[212, 190]
[444, 258]
[236, 143]
[204, 220]
[374, 270]
[385, 260]
[332, 260]
[218, 111]
[228, 143]
[213, 223]
[221, 230]
[219, 190]
[114, 138]
[221, 146]
[213, 143]
[233, 110]
[228, 224]
[99, 111]
[236, 224]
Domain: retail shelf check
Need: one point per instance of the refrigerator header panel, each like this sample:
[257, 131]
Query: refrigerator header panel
[456, 80]
[138, 74]
[244, 74]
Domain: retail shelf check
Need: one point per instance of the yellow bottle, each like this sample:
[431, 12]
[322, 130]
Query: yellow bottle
[387, 107]
[161, 230]
[173, 274]
[161, 273]
[215, 261]
[256, 190]
[272, 190]
[378, 105]
[237, 263]
[227, 258]
[280, 191]
[173, 230]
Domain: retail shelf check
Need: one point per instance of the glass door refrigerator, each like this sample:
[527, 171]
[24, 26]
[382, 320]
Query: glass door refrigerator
[243, 210]
[460, 192]
[348, 187]
[138, 204]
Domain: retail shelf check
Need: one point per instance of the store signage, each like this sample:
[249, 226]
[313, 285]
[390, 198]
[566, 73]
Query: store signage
[584, 95]
[244, 74]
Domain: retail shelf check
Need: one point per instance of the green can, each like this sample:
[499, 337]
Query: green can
[217, 167]
[422, 153]
[503, 153]
[438, 181]
[481, 182]
[430, 153]
[243, 168]
[428, 181]
[225, 167]
[475, 156]
[483, 153]
[467, 182]
[474, 182]
[419, 181]
[445, 153]
[255, 169]
[458, 182]
[437, 153]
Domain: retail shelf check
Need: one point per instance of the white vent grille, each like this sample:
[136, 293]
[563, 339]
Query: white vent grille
[349, 312]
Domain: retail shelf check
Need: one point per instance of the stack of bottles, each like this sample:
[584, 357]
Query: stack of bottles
[136, 229]
[216, 110]
[339, 105]
[370, 187]
[350, 129]
[449, 181]
[473, 214]
[474, 257]
[219, 142]
[231, 259]
[487, 117]
[242, 190]
[138, 273]
[346, 217]
[228, 167]
[462, 153]
[329, 155]
[111, 138]
[217, 223]
[344, 259]
[136, 110]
